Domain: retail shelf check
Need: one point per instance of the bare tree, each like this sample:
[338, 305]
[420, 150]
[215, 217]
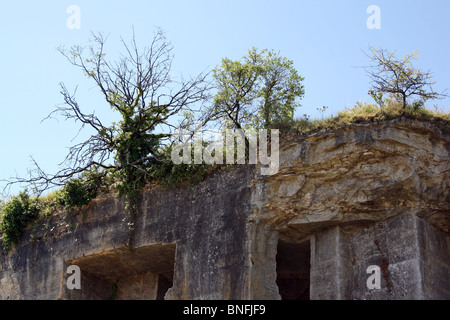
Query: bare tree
[399, 77]
[140, 87]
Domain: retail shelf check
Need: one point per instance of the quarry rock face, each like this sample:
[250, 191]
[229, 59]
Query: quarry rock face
[359, 212]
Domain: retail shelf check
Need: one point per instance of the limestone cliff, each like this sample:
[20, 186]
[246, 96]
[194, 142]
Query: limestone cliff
[342, 200]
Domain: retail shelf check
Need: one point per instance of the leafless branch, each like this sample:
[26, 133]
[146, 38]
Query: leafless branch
[140, 87]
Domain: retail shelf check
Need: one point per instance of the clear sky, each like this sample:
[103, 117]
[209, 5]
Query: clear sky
[324, 38]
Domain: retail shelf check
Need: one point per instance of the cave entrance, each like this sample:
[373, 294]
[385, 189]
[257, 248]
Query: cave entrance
[144, 273]
[293, 270]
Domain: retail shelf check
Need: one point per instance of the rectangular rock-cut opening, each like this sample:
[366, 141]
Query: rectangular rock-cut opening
[144, 273]
[293, 270]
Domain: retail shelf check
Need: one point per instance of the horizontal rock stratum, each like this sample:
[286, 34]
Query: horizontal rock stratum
[344, 202]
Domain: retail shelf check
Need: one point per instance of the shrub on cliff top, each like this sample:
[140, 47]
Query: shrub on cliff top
[79, 191]
[15, 216]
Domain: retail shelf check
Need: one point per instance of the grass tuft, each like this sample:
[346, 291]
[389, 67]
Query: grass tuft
[366, 112]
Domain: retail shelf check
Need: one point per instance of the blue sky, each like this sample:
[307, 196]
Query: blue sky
[324, 38]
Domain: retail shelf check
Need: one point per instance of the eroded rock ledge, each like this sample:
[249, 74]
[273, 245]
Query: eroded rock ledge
[342, 200]
[363, 172]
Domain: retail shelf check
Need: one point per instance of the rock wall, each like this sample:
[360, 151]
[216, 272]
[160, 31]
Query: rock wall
[412, 266]
[362, 195]
[343, 200]
[194, 236]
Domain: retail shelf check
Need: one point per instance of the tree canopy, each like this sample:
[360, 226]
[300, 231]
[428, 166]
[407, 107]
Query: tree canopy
[398, 77]
[258, 91]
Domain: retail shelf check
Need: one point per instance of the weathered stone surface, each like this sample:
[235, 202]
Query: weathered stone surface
[357, 173]
[206, 225]
[373, 194]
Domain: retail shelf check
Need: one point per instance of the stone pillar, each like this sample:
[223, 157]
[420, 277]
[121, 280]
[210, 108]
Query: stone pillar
[413, 259]
[391, 245]
[261, 263]
[328, 272]
[435, 263]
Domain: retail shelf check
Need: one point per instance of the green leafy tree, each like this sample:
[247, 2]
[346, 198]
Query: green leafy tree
[257, 91]
[237, 84]
[399, 78]
[280, 90]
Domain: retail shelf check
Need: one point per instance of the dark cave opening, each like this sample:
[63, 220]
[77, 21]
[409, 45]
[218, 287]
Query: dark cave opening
[143, 273]
[293, 270]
